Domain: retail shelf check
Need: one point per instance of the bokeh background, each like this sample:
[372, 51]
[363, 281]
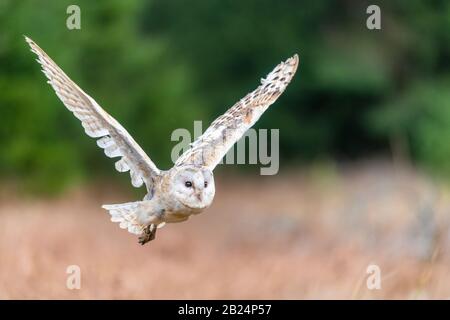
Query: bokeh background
[364, 130]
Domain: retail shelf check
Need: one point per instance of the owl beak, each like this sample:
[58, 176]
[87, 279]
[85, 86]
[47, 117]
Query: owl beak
[199, 196]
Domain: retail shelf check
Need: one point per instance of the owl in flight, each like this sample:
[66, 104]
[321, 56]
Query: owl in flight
[188, 187]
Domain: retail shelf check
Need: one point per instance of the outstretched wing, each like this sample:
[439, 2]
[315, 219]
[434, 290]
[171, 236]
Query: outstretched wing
[226, 130]
[113, 138]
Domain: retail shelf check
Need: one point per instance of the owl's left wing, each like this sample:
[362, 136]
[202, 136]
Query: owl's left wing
[226, 130]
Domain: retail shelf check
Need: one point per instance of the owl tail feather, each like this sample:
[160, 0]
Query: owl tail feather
[133, 216]
[126, 214]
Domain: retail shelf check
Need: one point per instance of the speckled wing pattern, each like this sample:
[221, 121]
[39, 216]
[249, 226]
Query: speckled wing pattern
[112, 137]
[226, 130]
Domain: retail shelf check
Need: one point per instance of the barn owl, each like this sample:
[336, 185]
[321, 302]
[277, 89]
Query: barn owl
[188, 187]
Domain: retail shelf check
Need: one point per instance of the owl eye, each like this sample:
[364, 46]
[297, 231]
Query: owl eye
[188, 184]
[206, 184]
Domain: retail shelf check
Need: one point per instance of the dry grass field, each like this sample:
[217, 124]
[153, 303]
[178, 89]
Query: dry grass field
[293, 236]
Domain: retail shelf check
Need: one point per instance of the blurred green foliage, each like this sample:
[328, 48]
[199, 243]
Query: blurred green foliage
[159, 65]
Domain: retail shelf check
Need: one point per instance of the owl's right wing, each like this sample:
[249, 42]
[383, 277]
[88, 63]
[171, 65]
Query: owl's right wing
[113, 138]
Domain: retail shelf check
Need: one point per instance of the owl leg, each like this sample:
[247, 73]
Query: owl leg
[148, 235]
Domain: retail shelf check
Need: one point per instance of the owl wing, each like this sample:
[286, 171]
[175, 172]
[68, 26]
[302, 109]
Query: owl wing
[112, 137]
[227, 129]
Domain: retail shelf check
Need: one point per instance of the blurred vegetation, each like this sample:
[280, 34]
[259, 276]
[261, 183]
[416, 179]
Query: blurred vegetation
[160, 65]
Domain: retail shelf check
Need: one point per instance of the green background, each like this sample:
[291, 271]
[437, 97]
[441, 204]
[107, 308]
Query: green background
[159, 65]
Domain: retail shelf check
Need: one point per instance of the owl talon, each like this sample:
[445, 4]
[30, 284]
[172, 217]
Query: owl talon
[148, 235]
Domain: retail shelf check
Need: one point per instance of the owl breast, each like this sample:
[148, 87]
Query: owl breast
[180, 215]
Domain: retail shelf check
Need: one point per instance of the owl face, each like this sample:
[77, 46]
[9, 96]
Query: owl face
[193, 187]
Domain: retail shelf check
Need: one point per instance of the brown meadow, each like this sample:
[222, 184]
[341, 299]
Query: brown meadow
[294, 236]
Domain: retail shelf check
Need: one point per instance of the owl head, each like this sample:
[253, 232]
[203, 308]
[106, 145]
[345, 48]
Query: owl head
[193, 187]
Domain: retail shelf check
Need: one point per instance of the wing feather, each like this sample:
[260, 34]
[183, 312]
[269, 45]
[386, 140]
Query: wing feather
[113, 138]
[227, 129]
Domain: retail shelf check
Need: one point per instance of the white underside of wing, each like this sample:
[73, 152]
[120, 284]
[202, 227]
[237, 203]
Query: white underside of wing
[112, 137]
